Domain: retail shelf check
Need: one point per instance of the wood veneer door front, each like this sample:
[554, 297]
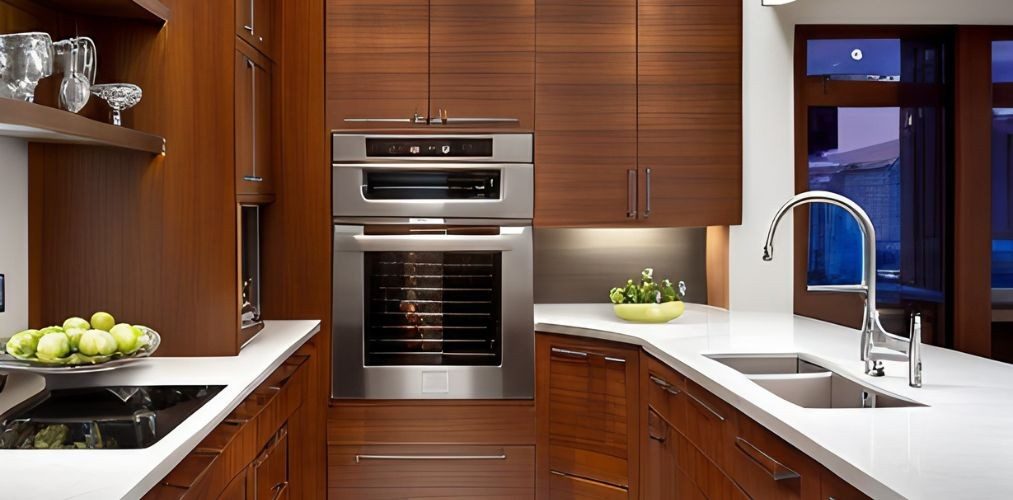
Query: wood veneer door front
[254, 136]
[587, 399]
[377, 59]
[586, 113]
[482, 60]
[689, 112]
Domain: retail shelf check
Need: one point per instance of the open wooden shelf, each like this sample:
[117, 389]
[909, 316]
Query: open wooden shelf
[39, 123]
[146, 10]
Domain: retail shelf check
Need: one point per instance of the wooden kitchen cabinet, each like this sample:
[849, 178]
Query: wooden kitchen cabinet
[398, 59]
[587, 406]
[254, 136]
[256, 25]
[689, 112]
[482, 60]
[638, 113]
[246, 456]
[687, 443]
[586, 113]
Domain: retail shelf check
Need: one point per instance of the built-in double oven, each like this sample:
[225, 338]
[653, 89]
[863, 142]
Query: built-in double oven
[432, 270]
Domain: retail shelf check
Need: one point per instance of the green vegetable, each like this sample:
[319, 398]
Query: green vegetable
[97, 342]
[126, 337]
[52, 346]
[76, 322]
[74, 335]
[50, 329]
[52, 436]
[648, 291]
[102, 321]
[23, 344]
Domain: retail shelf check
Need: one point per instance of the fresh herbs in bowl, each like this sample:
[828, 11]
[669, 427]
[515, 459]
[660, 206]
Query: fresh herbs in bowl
[650, 301]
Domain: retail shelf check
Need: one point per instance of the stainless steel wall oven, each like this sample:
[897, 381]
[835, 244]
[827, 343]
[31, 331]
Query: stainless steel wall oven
[432, 266]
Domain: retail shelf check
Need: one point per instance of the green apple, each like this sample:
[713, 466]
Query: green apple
[102, 321]
[126, 337]
[52, 346]
[97, 342]
[74, 335]
[76, 322]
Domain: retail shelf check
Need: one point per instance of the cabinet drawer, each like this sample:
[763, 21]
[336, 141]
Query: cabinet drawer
[592, 416]
[835, 488]
[432, 493]
[766, 467]
[270, 469]
[666, 392]
[431, 466]
[566, 487]
[710, 424]
[237, 488]
[711, 481]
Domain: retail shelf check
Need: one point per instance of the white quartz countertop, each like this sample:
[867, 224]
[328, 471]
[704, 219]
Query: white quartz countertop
[959, 446]
[112, 474]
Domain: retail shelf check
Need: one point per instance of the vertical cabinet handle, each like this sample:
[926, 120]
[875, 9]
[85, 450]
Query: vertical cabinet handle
[647, 183]
[249, 26]
[631, 193]
[253, 177]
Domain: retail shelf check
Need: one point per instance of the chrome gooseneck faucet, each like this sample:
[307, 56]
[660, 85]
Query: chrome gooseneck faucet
[877, 344]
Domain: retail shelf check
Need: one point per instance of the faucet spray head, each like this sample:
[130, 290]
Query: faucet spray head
[768, 253]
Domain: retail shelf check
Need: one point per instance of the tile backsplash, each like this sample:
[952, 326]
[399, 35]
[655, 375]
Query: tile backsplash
[581, 265]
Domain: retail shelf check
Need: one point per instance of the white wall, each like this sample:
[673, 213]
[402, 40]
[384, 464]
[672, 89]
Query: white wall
[14, 233]
[768, 121]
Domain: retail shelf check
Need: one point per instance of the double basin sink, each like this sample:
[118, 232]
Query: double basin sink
[802, 380]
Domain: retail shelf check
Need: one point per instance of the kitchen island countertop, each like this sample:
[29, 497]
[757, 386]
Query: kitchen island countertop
[959, 446]
[112, 474]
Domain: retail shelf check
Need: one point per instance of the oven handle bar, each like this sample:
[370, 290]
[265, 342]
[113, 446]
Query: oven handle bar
[509, 239]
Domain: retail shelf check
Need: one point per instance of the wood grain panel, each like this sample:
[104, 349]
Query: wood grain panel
[254, 129]
[972, 250]
[394, 493]
[708, 477]
[435, 422]
[377, 59]
[759, 453]
[710, 424]
[588, 412]
[515, 471]
[145, 222]
[565, 487]
[482, 59]
[585, 112]
[297, 230]
[690, 113]
[718, 272]
[832, 486]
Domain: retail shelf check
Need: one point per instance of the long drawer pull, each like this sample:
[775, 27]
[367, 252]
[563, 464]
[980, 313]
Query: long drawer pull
[614, 359]
[500, 456]
[567, 352]
[664, 384]
[776, 470]
[705, 406]
[652, 416]
[589, 481]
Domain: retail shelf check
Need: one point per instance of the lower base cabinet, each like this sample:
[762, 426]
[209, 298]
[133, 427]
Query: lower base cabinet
[692, 445]
[246, 456]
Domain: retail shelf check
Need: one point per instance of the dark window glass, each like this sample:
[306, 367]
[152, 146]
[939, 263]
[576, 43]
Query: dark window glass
[433, 308]
[1002, 208]
[888, 160]
[1002, 62]
[871, 59]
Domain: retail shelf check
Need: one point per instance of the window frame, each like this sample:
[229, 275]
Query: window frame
[817, 91]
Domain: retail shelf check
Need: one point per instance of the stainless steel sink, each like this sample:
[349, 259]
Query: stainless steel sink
[804, 381]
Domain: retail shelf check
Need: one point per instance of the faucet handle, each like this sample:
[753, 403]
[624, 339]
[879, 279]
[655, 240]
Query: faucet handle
[914, 352]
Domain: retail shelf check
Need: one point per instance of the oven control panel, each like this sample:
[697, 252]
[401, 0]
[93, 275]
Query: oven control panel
[428, 148]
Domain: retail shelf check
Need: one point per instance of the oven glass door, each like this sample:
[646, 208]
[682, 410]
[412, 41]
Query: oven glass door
[433, 308]
[432, 311]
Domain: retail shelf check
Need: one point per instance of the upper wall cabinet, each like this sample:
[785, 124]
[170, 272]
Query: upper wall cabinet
[392, 62]
[638, 119]
[255, 23]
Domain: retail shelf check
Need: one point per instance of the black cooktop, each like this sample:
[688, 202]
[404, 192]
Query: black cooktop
[101, 417]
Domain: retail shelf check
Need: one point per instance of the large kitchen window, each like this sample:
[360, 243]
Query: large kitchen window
[874, 125]
[1002, 172]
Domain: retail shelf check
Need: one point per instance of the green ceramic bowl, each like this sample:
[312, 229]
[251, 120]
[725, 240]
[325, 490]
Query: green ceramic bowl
[650, 313]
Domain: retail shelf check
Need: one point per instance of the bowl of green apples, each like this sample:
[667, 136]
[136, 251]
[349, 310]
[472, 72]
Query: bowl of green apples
[649, 301]
[99, 343]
